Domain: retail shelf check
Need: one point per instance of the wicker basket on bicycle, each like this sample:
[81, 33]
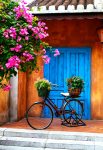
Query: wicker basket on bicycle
[43, 92]
[74, 92]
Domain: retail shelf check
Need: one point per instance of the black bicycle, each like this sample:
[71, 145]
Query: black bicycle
[40, 114]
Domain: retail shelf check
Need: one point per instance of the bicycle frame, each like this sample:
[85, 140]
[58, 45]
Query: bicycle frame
[54, 106]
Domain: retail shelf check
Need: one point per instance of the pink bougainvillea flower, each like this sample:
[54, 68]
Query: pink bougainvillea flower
[12, 29]
[18, 12]
[17, 48]
[28, 56]
[29, 26]
[18, 39]
[41, 24]
[22, 11]
[46, 35]
[46, 28]
[39, 32]
[7, 87]
[12, 32]
[35, 30]
[26, 38]
[46, 59]
[13, 61]
[41, 35]
[23, 31]
[6, 34]
[23, 2]
[56, 52]
[42, 30]
[29, 18]
[13, 36]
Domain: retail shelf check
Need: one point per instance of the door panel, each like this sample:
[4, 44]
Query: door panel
[55, 73]
[72, 61]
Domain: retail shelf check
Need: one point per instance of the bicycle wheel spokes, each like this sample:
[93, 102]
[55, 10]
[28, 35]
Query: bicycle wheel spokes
[73, 111]
[39, 116]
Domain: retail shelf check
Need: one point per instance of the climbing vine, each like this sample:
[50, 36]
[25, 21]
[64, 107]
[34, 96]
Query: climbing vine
[21, 40]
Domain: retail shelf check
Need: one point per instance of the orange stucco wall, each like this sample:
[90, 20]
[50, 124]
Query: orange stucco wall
[97, 82]
[32, 94]
[22, 96]
[73, 33]
[4, 106]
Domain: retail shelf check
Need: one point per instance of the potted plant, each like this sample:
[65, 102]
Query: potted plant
[43, 87]
[75, 86]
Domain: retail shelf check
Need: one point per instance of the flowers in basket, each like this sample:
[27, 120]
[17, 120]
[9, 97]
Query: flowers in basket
[75, 86]
[43, 87]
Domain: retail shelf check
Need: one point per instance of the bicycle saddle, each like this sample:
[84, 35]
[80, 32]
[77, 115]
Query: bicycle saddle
[64, 94]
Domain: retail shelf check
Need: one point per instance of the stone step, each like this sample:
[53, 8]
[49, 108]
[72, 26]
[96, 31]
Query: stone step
[19, 139]
[3, 147]
[22, 142]
[50, 143]
[43, 134]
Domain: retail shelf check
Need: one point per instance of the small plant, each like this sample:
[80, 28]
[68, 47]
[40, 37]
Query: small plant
[43, 87]
[75, 86]
[75, 82]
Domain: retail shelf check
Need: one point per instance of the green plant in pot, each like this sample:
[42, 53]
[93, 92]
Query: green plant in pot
[75, 86]
[43, 87]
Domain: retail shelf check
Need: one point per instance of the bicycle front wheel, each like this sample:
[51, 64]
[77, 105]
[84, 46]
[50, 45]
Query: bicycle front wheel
[73, 112]
[39, 116]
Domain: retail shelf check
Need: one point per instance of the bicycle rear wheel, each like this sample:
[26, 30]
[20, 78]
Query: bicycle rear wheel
[73, 112]
[39, 116]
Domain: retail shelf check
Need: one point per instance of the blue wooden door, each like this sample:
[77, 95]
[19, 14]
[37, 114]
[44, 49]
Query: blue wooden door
[72, 61]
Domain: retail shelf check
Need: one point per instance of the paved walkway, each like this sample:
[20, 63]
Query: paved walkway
[93, 126]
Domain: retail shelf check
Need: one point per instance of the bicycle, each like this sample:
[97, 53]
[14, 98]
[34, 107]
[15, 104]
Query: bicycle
[40, 114]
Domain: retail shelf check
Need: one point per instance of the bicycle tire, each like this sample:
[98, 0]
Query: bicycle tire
[73, 112]
[37, 114]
